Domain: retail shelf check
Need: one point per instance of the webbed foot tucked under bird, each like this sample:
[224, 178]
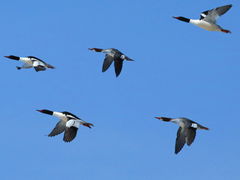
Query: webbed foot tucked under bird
[208, 19]
[115, 55]
[186, 132]
[69, 124]
[31, 61]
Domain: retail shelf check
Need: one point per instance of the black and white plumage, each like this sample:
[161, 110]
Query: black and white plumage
[69, 124]
[31, 61]
[112, 55]
[208, 19]
[186, 132]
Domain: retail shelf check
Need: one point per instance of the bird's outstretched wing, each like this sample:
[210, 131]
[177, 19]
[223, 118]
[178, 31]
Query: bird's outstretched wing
[118, 66]
[58, 129]
[39, 66]
[180, 140]
[107, 62]
[190, 135]
[70, 133]
[213, 14]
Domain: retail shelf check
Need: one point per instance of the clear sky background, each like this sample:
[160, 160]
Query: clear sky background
[179, 71]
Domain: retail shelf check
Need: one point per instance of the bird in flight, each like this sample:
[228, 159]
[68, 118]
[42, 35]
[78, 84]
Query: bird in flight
[69, 124]
[208, 19]
[31, 61]
[186, 132]
[115, 55]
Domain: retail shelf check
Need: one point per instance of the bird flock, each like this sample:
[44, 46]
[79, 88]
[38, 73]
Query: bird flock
[69, 123]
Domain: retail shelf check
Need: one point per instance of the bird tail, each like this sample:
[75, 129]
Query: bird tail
[202, 127]
[50, 66]
[226, 31]
[129, 59]
[89, 125]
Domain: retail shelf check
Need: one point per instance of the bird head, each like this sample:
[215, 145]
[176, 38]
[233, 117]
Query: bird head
[45, 111]
[12, 57]
[164, 119]
[182, 19]
[95, 49]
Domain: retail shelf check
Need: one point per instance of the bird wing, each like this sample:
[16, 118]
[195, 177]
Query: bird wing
[118, 66]
[107, 62]
[58, 129]
[70, 115]
[180, 140]
[40, 68]
[38, 62]
[70, 133]
[190, 135]
[33, 58]
[213, 14]
[71, 130]
[38, 65]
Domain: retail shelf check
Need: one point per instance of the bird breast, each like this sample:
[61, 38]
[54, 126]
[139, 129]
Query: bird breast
[60, 116]
[26, 60]
[178, 122]
[205, 25]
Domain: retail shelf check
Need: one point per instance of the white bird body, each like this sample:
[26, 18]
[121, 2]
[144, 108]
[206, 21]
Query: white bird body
[60, 116]
[205, 25]
[26, 60]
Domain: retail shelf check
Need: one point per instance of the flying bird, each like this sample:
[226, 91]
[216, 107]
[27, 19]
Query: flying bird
[186, 132]
[115, 55]
[69, 124]
[208, 19]
[31, 61]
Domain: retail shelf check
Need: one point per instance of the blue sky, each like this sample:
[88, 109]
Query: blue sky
[179, 71]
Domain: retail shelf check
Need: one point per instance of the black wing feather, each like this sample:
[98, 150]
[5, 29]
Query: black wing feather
[107, 62]
[118, 66]
[190, 136]
[180, 140]
[39, 68]
[68, 113]
[70, 134]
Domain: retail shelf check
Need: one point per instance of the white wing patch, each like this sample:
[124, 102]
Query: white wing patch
[73, 123]
[37, 63]
[203, 15]
[194, 125]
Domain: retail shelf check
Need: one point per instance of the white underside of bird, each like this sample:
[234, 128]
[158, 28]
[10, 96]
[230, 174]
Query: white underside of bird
[205, 25]
[28, 63]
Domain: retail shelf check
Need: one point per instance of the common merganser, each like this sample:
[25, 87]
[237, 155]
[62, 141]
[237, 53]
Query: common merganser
[69, 124]
[31, 61]
[115, 55]
[208, 19]
[186, 132]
